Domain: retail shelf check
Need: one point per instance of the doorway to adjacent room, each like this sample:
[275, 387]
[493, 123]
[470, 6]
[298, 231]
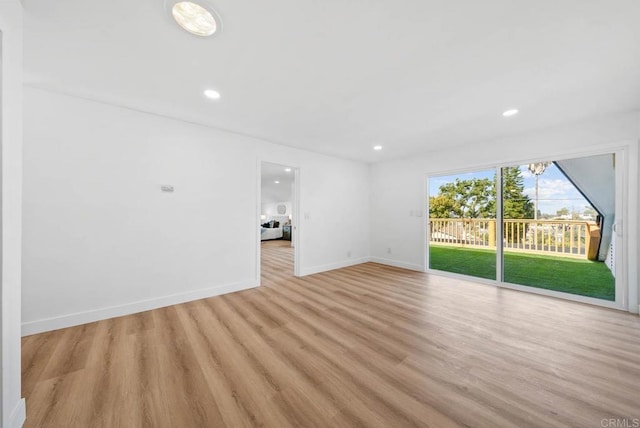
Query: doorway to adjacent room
[278, 221]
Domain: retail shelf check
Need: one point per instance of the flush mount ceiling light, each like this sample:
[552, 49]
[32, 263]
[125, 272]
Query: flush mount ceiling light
[197, 18]
[212, 94]
[377, 148]
[277, 182]
[287, 170]
[510, 112]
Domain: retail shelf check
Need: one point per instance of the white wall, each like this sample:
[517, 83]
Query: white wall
[101, 240]
[272, 193]
[600, 190]
[398, 187]
[12, 411]
[634, 232]
[271, 208]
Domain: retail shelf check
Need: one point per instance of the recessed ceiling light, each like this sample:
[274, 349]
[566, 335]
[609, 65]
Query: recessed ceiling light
[510, 112]
[287, 170]
[377, 148]
[195, 18]
[210, 93]
[277, 182]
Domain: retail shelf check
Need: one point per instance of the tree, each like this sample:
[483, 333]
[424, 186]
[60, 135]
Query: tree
[462, 199]
[516, 204]
[562, 212]
[442, 206]
[476, 198]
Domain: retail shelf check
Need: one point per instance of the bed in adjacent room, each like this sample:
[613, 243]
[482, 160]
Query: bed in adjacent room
[267, 233]
[272, 229]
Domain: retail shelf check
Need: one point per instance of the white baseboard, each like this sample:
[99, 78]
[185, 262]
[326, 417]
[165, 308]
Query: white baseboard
[397, 263]
[78, 318]
[332, 266]
[18, 415]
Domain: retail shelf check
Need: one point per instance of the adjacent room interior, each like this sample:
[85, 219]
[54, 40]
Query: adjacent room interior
[329, 214]
[277, 200]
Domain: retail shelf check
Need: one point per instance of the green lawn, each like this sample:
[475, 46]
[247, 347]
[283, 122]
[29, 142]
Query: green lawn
[575, 276]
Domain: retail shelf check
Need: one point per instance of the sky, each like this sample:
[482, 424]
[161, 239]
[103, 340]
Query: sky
[555, 191]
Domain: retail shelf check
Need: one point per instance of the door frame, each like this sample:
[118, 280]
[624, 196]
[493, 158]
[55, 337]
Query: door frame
[295, 216]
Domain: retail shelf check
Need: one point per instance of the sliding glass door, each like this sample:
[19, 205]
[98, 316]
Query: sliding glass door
[554, 222]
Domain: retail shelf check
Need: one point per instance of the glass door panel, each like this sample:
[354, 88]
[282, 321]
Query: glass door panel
[558, 219]
[462, 223]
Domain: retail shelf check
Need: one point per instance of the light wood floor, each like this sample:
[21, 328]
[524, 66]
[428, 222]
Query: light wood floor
[364, 346]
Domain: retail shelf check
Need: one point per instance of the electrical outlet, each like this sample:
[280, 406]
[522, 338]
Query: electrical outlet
[389, 250]
[349, 253]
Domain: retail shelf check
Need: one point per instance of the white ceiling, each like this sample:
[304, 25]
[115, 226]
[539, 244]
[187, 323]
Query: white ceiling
[341, 76]
[272, 191]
